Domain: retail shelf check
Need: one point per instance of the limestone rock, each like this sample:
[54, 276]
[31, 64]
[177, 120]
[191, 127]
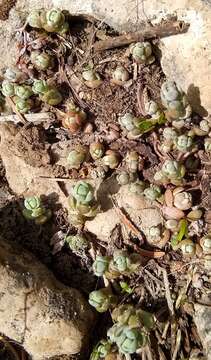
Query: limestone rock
[203, 323]
[46, 317]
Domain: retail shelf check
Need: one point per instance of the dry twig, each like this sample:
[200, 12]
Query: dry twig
[164, 29]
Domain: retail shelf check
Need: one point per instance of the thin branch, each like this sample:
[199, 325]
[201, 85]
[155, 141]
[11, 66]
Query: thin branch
[164, 29]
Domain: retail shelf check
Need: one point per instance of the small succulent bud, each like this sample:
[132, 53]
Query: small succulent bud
[101, 350]
[142, 53]
[111, 159]
[175, 101]
[102, 299]
[92, 78]
[77, 243]
[137, 187]
[128, 340]
[42, 60]
[127, 121]
[154, 233]
[34, 19]
[124, 177]
[120, 75]
[152, 109]
[128, 315]
[23, 106]
[63, 29]
[32, 203]
[183, 200]
[153, 192]
[160, 177]
[100, 265]
[83, 192]
[39, 87]
[34, 210]
[205, 243]
[52, 20]
[76, 157]
[204, 126]
[23, 91]
[194, 215]
[207, 144]
[188, 247]
[74, 119]
[52, 96]
[183, 143]
[8, 88]
[96, 150]
[172, 169]
[123, 263]
[172, 225]
[132, 161]
[169, 133]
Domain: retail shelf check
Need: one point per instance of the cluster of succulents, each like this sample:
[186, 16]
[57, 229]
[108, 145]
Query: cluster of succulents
[175, 101]
[120, 75]
[53, 20]
[172, 171]
[142, 53]
[135, 127]
[102, 299]
[35, 210]
[121, 263]
[82, 204]
[173, 140]
[47, 93]
[101, 350]
[91, 77]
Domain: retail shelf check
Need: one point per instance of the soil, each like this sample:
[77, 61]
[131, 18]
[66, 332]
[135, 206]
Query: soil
[103, 105]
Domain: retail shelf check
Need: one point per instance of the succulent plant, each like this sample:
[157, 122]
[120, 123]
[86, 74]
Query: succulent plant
[34, 210]
[34, 19]
[152, 109]
[169, 133]
[128, 340]
[74, 119]
[175, 101]
[172, 225]
[76, 157]
[207, 144]
[8, 88]
[77, 243]
[183, 200]
[23, 106]
[23, 91]
[127, 314]
[79, 213]
[40, 87]
[111, 159]
[52, 20]
[153, 192]
[137, 187]
[204, 125]
[101, 350]
[83, 192]
[132, 161]
[205, 243]
[123, 263]
[96, 150]
[52, 96]
[120, 75]
[142, 53]
[127, 121]
[100, 265]
[102, 299]
[154, 233]
[173, 169]
[183, 143]
[91, 77]
[188, 247]
[42, 60]
[124, 177]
